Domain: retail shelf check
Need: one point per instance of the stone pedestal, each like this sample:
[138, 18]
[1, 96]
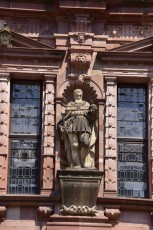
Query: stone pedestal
[78, 223]
[79, 189]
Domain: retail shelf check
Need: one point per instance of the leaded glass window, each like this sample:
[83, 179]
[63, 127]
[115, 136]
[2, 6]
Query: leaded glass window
[132, 141]
[24, 138]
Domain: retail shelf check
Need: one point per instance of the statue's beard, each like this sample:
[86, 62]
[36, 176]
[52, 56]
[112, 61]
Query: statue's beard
[78, 100]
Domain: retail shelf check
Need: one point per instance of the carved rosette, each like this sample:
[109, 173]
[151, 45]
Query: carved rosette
[80, 59]
[112, 214]
[111, 136]
[45, 212]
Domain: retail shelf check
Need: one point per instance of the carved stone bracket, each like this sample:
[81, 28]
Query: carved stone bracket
[45, 212]
[2, 213]
[112, 214]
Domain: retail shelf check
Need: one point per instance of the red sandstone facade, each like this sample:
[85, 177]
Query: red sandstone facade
[54, 42]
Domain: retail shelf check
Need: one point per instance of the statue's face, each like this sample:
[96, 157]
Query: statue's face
[4, 38]
[78, 95]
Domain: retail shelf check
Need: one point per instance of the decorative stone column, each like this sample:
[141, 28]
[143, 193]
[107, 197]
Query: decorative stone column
[4, 129]
[48, 134]
[111, 137]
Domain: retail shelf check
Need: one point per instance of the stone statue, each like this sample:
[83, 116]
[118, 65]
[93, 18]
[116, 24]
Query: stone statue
[79, 131]
[5, 37]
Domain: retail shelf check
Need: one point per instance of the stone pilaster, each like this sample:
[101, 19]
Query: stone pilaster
[150, 136]
[111, 137]
[48, 134]
[4, 129]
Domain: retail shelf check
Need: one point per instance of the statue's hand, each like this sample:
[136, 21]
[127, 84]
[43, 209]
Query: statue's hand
[62, 129]
[93, 108]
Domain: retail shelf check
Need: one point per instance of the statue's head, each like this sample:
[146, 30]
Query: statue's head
[5, 36]
[78, 94]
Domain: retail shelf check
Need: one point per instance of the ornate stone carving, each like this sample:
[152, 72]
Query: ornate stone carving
[78, 210]
[82, 23]
[45, 212]
[114, 31]
[47, 27]
[2, 212]
[20, 25]
[141, 31]
[5, 37]
[80, 59]
[80, 37]
[112, 214]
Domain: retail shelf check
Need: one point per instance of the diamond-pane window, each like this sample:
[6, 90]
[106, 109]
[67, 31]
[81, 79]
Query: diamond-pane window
[24, 138]
[132, 141]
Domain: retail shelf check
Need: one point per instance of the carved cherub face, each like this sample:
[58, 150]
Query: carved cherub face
[5, 38]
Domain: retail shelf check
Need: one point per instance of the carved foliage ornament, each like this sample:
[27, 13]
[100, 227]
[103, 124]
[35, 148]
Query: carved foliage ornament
[78, 210]
[80, 59]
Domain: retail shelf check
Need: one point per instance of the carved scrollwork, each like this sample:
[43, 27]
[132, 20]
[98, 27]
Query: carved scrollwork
[78, 210]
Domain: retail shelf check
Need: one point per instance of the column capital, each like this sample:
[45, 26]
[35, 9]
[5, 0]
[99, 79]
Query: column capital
[49, 78]
[4, 76]
[110, 79]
